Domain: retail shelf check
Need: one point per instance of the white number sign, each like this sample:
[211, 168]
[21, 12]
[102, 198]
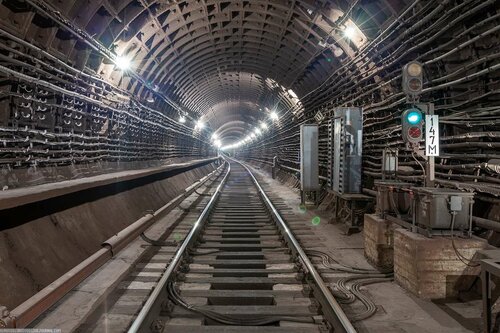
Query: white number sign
[431, 135]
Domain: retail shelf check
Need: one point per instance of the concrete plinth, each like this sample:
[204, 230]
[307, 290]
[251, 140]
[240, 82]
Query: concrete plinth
[378, 241]
[430, 267]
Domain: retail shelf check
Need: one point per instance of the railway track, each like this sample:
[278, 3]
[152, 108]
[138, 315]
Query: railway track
[240, 269]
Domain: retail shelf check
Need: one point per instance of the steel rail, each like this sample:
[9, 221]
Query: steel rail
[146, 318]
[147, 321]
[331, 308]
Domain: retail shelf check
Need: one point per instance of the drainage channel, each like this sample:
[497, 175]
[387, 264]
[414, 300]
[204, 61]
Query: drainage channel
[239, 270]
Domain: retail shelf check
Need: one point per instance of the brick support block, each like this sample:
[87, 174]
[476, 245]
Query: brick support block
[378, 241]
[430, 267]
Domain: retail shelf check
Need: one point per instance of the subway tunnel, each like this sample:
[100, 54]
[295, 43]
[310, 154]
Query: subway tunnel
[250, 165]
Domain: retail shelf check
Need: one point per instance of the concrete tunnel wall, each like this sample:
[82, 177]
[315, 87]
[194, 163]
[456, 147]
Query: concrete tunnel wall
[35, 253]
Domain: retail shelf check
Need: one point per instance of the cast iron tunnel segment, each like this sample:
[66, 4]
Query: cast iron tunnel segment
[240, 269]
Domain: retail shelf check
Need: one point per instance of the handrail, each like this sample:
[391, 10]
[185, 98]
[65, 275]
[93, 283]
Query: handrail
[144, 321]
[340, 320]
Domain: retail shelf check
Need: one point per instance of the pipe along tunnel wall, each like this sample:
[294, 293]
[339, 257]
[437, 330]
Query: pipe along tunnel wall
[39, 242]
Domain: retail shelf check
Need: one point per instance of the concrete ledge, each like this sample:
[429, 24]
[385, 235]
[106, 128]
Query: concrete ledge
[26, 195]
[378, 241]
[430, 267]
[41, 241]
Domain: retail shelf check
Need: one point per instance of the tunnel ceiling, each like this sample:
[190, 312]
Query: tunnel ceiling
[229, 62]
[64, 100]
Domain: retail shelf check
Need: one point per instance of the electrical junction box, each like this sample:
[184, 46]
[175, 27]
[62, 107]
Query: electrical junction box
[347, 136]
[393, 198]
[434, 206]
[456, 203]
[309, 169]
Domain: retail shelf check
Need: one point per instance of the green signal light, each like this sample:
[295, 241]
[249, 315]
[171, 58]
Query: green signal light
[414, 117]
[316, 220]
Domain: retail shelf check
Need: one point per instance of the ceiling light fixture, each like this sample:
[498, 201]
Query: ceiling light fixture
[350, 32]
[199, 124]
[122, 62]
[337, 51]
[273, 115]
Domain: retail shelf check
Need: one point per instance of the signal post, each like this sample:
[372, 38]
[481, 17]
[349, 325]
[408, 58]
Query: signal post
[412, 120]
[438, 227]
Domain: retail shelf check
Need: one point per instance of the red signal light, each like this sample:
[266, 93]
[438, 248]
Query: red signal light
[414, 132]
[415, 84]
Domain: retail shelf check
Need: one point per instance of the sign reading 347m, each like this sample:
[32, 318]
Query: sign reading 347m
[431, 135]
